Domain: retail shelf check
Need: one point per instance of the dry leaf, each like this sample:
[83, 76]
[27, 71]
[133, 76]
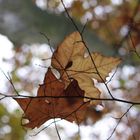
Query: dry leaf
[70, 47]
[64, 98]
[69, 59]
[40, 109]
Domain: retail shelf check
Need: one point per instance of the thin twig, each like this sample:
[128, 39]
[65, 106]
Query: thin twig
[76, 27]
[83, 29]
[112, 76]
[57, 130]
[90, 98]
[74, 111]
[45, 128]
[53, 112]
[8, 77]
[96, 69]
[119, 122]
[56, 58]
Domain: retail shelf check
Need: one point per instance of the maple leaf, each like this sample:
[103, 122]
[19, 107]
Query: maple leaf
[52, 101]
[70, 60]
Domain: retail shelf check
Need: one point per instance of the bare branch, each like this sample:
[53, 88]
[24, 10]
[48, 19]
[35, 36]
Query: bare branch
[119, 122]
[8, 77]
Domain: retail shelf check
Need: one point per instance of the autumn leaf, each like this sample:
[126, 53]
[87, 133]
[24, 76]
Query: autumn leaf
[64, 98]
[69, 48]
[52, 101]
[72, 61]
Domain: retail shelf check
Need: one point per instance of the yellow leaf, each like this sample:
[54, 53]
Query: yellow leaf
[84, 65]
[70, 47]
[87, 84]
[70, 60]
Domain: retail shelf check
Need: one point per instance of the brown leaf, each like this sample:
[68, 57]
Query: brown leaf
[52, 101]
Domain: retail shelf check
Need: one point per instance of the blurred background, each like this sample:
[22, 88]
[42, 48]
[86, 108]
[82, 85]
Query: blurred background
[112, 28]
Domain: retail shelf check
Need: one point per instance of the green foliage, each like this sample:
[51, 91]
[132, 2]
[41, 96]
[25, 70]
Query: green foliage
[10, 125]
